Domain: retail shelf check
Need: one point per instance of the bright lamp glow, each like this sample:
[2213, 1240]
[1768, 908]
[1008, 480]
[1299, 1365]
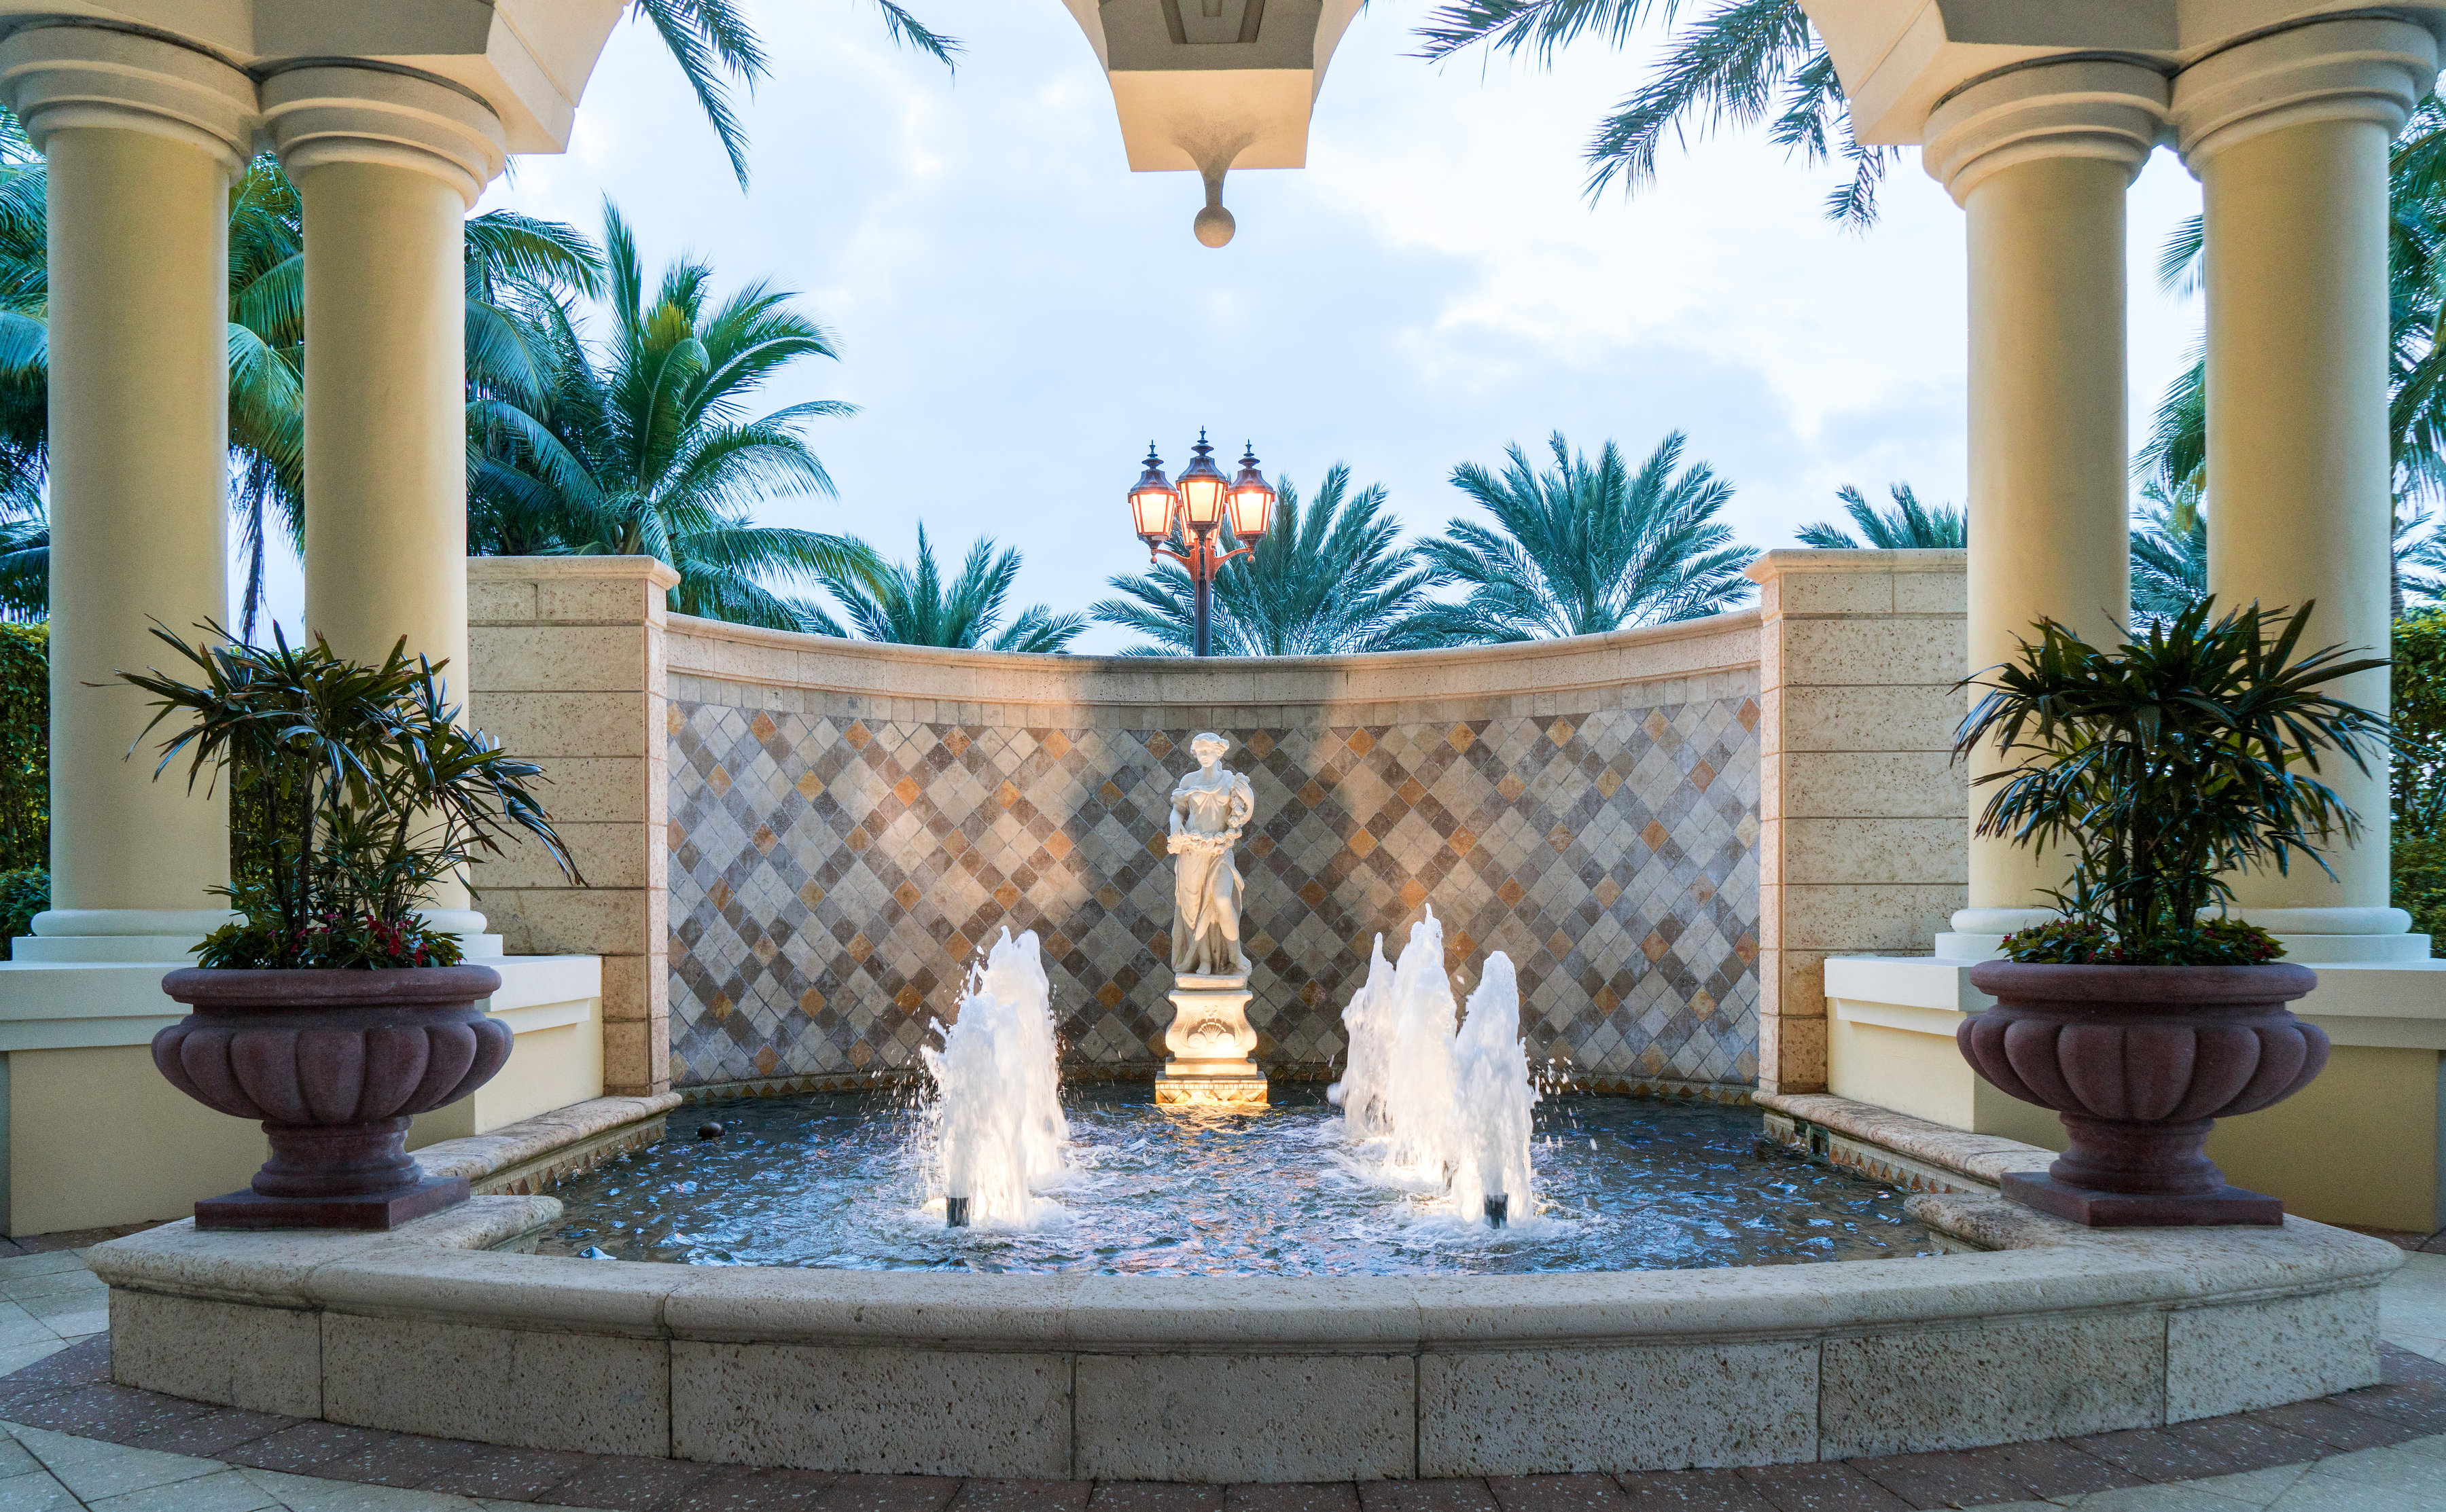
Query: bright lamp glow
[1251, 500]
[1152, 501]
[1201, 488]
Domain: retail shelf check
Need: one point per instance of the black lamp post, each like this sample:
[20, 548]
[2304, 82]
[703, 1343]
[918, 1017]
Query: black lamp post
[1192, 512]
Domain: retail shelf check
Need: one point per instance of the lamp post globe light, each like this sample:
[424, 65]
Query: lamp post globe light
[1193, 510]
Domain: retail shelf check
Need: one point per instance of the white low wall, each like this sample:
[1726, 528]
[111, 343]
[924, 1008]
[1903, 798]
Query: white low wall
[2057, 1332]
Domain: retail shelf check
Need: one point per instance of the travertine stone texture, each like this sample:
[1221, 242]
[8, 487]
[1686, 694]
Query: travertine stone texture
[1204, 1417]
[567, 657]
[898, 1410]
[482, 1156]
[848, 823]
[1528, 1412]
[1861, 841]
[2061, 1331]
[2000, 1382]
[243, 1354]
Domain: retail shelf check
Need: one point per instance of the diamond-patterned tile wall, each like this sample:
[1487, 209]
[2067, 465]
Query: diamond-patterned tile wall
[833, 874]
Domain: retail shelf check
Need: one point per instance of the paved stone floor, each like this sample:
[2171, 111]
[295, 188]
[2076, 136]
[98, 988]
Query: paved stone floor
[70, 1440]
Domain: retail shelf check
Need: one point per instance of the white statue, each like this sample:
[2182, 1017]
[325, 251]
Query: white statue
[1209, 808]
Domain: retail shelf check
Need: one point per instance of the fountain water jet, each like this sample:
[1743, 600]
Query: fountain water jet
[1001, 1137]
[1493, 1098]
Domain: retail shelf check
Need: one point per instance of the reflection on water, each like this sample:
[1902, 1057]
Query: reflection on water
[839, 1179]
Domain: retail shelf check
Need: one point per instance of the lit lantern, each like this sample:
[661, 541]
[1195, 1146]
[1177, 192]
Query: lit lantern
[1152, 501]
[1251, 499]
[1201, 488]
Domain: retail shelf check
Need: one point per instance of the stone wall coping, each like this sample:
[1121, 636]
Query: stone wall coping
[1983, 1158]
[441, 1269]
[1803, 559]
[481, 1155]
[533, 569]
[742, 653]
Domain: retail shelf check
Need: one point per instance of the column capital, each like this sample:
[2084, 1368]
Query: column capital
[341, 110]
[2106, 109]
[59, 76]
[2364, 68]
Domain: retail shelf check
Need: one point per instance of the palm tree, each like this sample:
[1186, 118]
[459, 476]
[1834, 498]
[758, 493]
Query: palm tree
[912, 605]
[717, 50]
[638, 449]
[1329, 581]
[2170, 554]
[1743, 63]
[1909, 526]
[1585, 548]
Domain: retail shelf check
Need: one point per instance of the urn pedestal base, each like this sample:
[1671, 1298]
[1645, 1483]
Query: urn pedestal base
[2226, 1206]
[251, 1209]
[1210, 1040]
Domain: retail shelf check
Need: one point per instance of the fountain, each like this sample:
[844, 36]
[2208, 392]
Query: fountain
[1000, 1135]
[1443, 1111]
[1209, 1038]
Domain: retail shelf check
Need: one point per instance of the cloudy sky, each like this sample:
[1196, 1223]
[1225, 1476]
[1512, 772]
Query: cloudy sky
[1018, 314]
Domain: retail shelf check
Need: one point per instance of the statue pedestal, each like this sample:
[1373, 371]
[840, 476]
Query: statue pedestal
[1210, 1040]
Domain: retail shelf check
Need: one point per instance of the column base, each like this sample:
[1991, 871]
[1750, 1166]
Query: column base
[62, 935]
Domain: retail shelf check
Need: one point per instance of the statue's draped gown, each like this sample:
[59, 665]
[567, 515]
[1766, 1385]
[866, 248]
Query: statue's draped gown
[1206, 881]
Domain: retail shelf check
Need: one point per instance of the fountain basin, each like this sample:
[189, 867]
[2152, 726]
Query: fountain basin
[2049, 1329]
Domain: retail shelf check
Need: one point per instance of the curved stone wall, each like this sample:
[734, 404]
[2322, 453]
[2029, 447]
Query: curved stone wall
[848, 823]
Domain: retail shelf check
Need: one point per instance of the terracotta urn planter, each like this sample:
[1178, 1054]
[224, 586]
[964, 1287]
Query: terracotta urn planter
[2140, 1062]
[332, 1064]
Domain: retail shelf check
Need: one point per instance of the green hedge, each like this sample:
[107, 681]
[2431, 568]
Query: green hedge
[2420, 796]
[24, 747]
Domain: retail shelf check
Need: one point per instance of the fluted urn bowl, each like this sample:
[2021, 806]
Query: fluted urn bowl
[2140, 1062]
[333, 1064]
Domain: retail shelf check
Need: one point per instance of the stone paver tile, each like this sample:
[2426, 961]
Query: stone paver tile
[2258, 1488]
[405, 1460]
[890, 1493]
[1945, 1480]
[308, 1493]
[1821, 1489]
[1459, 1494]
[23, 1268]
[1556, 1493]
[2053, 1469]
[1154, 1496]
[17, 1357]
[15, 1458]
[2403, 1367]
[17, 1326]
[510, 1475]
[221, 1491]
[298, 1450]
[2336, 1427]
[2343, 1496]
[213, 1435]
[57, 1281]
[744, 1488]
[2404, 1467]
[1023, 1496]
[117, 1414]
[1692, 1491]
[630, 1482]
[65, 1313]
[35, 1491]
[2192, 1451]
[1330, 1495]
[93, 1469]
[2159, 1499]
[2421, 1408]
[62, 1370]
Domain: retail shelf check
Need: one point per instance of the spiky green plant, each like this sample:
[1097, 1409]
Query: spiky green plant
[1585, 548]
[912, 604]
[1330, 579]
[2171, 763]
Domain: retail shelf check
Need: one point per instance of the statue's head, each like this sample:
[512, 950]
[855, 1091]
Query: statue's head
[1208, 747]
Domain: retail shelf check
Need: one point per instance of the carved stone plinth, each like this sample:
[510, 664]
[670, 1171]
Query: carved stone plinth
[1210, 1040]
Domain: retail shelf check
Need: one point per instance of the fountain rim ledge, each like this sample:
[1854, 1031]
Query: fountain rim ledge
[418, 1330]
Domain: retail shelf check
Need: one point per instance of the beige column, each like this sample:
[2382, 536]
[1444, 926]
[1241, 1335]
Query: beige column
[387, 165]
[141, 138]
[2289, 134]
[2040, 159]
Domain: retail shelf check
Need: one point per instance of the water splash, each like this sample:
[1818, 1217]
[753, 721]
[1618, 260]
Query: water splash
[999, 1134]
[1430, 1108]
[1494, 1101]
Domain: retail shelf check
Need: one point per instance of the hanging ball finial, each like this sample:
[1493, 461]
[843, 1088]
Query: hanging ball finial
[1214, 226]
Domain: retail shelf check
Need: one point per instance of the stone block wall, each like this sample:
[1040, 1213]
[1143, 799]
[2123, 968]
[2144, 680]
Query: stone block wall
[850, 823]
[1863, 811]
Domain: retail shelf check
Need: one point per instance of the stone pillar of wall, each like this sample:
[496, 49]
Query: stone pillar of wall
[567, 667]
[1860, 803]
